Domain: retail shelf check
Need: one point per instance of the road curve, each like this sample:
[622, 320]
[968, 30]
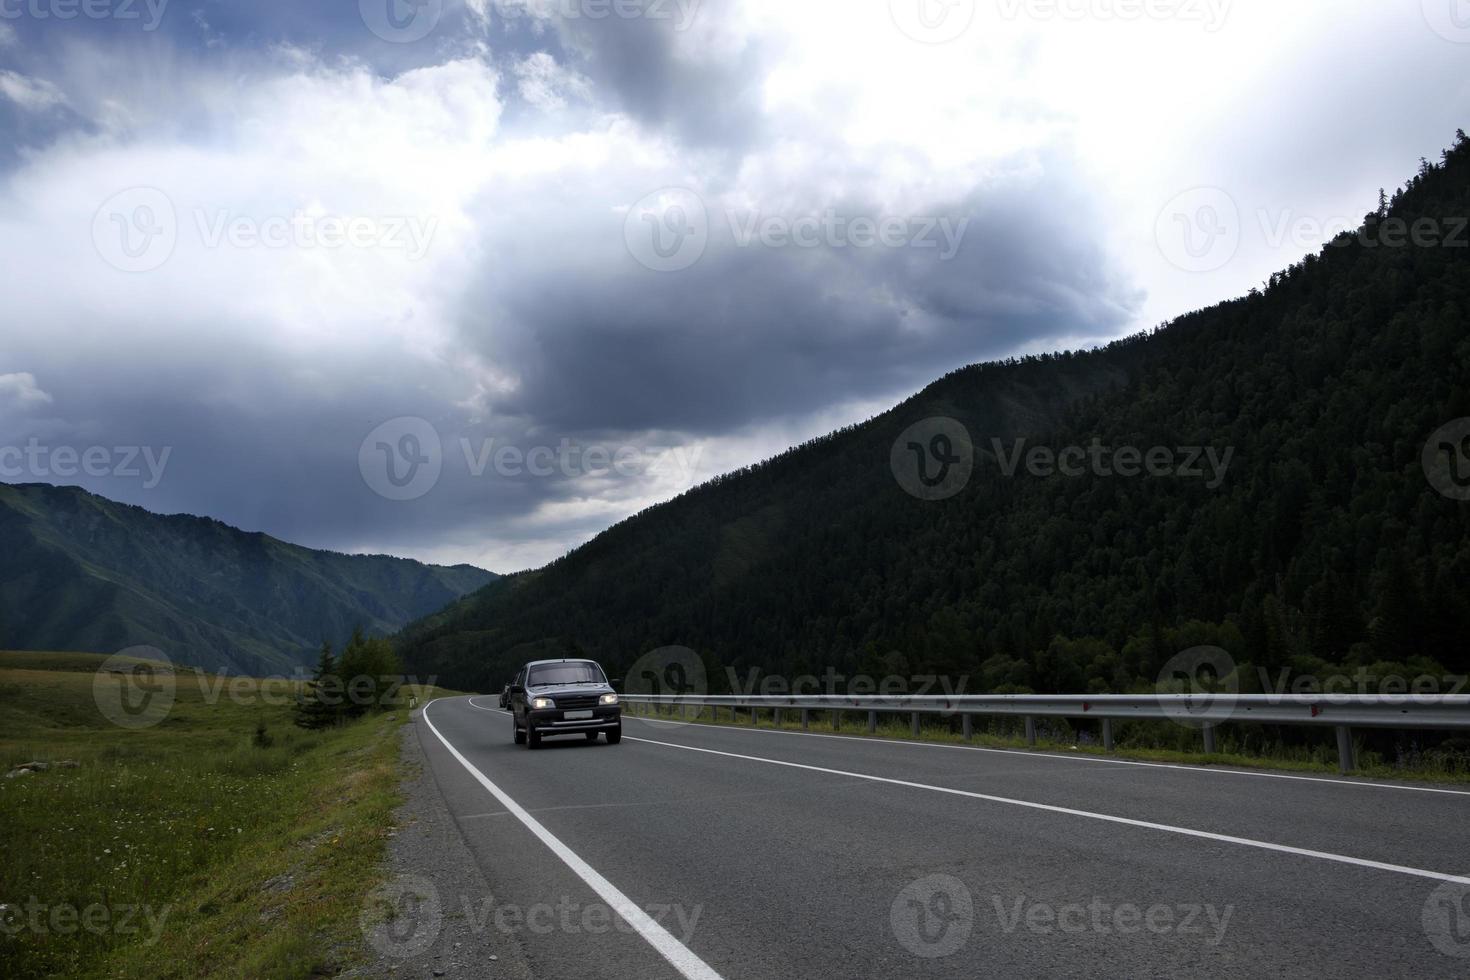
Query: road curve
[741, 853]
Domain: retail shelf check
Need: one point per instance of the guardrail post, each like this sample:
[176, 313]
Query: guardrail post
[1209, 731]
[872, 722]
[806, 719]
[777, 718]
[1345, 760]
[836, 720]
[1030, 730]
[1107, 734]
[969, 726]
[916, 724]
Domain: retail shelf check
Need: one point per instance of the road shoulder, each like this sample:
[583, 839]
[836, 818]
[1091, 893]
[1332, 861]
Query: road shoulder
[437, 888]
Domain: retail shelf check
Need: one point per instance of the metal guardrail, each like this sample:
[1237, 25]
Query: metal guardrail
[1205, 711]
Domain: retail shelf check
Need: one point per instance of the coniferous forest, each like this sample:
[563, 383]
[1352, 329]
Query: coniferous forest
[1324, 550]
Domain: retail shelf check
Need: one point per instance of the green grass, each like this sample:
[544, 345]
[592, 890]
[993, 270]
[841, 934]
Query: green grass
[41, 660]
[254, 859]
[1141, 741]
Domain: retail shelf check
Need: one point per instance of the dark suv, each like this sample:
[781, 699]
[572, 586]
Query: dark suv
[564, 697]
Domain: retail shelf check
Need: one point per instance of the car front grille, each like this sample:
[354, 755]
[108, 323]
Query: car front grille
[576, 702]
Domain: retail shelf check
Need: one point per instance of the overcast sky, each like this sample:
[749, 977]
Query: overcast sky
[467, 280]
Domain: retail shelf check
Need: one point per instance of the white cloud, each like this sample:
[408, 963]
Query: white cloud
[7, 36]
[548, 85]
[21, 390]
[31, 94]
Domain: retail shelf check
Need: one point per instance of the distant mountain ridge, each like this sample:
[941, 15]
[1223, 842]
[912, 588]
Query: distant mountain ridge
[1323, 548]
[81, 572]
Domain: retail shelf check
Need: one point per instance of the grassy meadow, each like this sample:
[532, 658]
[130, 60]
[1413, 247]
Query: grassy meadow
[219, 841]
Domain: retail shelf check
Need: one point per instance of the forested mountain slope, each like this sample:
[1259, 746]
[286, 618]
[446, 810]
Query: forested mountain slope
[1323, 545]
[80, 572]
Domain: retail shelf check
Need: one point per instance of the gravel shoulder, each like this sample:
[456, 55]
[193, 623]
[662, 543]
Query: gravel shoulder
[444, 923]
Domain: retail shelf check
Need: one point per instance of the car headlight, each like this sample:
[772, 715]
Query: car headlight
[541, 704]
[609, 699]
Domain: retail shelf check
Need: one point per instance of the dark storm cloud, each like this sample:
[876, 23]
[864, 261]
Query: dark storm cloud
[757, 329]
[655, 69]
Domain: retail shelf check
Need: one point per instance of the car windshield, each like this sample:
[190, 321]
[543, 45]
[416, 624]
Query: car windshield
[581, 673]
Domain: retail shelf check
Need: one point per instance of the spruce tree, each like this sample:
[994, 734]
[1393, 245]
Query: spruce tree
[320, 704]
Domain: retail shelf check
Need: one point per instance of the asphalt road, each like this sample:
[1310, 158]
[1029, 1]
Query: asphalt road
[740, 853]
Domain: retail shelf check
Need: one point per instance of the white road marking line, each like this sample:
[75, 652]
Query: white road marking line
[483, 708]
[680, 957]
[1022, 753]
[1065, 758]
[1126, 821]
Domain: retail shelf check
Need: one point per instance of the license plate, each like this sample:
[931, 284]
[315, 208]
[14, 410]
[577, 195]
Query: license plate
[577, 715]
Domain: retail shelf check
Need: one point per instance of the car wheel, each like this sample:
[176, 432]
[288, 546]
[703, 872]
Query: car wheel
[515, 729]
[615, 736]
[533, 738]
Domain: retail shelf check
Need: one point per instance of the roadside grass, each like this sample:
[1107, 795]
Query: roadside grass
[1133, 741]
[198, 847]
